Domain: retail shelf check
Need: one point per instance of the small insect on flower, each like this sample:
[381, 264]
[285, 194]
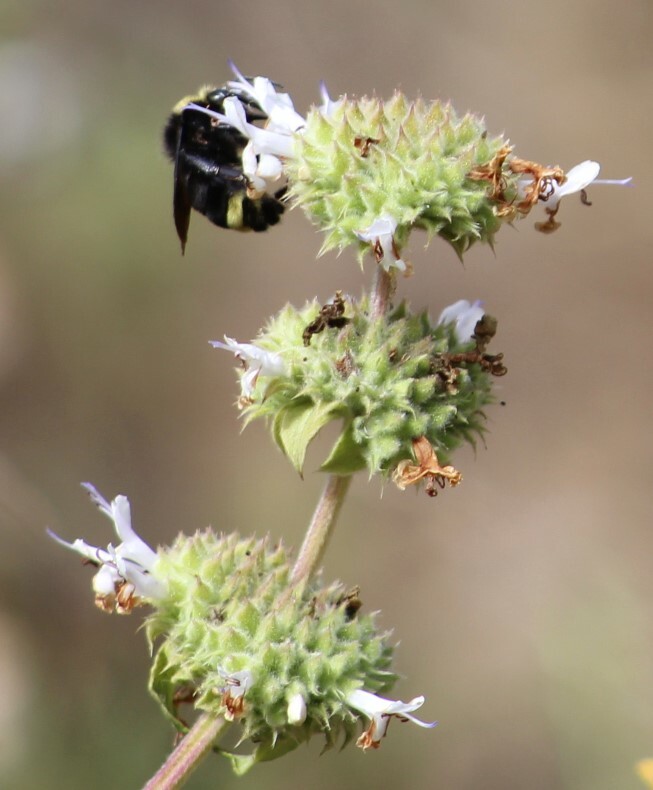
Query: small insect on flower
[208, 158]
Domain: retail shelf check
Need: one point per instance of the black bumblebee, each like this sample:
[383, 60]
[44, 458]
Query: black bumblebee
[208, 166]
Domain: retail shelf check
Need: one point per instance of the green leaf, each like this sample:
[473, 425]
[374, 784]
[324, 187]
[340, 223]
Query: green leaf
[264, 752]
[346, 456]
[296, 425]
[163, 688]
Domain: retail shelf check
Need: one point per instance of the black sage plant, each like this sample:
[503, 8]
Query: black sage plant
[246, 635]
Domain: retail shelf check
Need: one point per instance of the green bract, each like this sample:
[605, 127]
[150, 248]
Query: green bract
[407, 160]
[230, 610]
[389, 380]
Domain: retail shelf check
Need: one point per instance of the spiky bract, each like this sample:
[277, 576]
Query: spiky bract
[230, 608]
[407, 160]
[389, 380]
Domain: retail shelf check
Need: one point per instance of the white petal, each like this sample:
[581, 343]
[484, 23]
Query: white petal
[264, 141]
[234, 114]
[382, 226]
[268, 362]
[92, 553]
[262, 91]
[121, 517]
[105, 580]
[248, 381]
[278, 106]
[452, 311]
[119, 512]
[269, 167]
[145, 585]
[268, 141]
[578, 178]
[617, 181]
[238, 682]
[250, 163]
[131, 547]
[371, 704]
[380, 710]
[244, 351]
[328, 106]
[381, 231]
[283, 118]
[98, 499]
[296, 709]
[465, 315]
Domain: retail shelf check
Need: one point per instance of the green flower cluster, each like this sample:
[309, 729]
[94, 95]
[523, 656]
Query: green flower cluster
[390, 380]
[414, 162]
[247, 644]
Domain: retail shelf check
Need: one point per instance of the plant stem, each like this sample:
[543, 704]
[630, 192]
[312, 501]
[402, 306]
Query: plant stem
[188, 753]
[321, 526]
[382, 292]
[327, 510]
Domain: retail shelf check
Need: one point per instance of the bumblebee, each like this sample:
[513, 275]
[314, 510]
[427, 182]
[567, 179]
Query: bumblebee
[208, 166]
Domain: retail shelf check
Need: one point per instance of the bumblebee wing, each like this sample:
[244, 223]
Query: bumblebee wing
[181, 202]
[216, 190]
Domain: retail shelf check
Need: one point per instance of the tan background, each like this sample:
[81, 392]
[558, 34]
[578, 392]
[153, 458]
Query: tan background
[523, 599]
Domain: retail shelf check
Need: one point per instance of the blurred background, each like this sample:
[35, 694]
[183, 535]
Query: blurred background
[523, 599]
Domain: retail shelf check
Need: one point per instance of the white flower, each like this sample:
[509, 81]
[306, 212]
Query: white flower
[296, 709]
[268, 145]
[464, 315]
[257, 362]
[236, 685]
[576, 180]
[380, 711]
[380, 234]
[579, 178]
[262, 170]
[550, 192]
[124, 577]
[277, 106]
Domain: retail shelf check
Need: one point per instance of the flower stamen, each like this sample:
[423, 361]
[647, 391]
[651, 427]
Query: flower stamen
[236, 684]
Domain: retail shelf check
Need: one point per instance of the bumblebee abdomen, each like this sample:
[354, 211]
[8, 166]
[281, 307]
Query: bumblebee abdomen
[261, 213]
